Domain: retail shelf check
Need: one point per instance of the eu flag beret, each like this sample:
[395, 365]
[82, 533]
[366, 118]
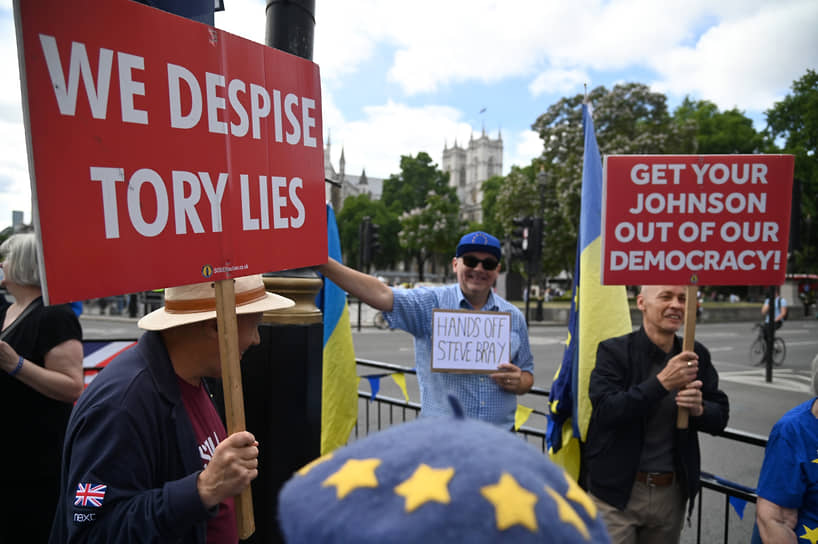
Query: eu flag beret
[445, 479]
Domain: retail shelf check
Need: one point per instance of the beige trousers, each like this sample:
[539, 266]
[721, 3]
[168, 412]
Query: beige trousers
[653, 515]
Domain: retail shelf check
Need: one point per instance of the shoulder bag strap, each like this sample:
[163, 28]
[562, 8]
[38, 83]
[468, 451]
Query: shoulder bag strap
[36, 303]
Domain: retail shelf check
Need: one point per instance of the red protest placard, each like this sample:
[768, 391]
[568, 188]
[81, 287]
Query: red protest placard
[164, 151]
[696, 219]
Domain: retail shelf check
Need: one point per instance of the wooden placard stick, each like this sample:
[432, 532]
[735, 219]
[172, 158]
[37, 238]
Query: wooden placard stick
[688, 342]
[233, 394]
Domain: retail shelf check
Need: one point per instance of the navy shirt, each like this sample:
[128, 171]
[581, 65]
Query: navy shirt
[131, 459]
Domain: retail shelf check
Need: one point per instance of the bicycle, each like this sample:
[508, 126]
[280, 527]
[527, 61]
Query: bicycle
[759, 347]
[380, 321]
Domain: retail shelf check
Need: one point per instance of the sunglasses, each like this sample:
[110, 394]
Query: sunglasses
[488, 264]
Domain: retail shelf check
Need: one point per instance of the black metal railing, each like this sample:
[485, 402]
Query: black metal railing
[383, 411]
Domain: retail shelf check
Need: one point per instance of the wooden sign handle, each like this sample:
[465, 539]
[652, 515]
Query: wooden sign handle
[688, 342]
[233, 394]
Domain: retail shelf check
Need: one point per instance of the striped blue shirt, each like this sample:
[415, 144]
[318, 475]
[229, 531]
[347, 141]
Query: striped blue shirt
[480, 396]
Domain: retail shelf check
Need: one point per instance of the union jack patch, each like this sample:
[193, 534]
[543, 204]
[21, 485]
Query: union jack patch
[89, 495]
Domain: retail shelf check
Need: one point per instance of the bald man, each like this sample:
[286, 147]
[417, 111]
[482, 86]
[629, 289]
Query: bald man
[641, 470]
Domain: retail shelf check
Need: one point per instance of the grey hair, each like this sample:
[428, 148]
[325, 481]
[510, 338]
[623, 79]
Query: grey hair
[20, 259]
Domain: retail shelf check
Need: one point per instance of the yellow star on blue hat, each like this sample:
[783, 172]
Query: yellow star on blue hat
[576, 494]
[303, 471]
[513, 504]
[424, 485]
[353, 474]
[567, 514]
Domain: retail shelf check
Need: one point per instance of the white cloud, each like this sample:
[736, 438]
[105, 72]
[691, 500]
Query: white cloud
[386, 132]
[560, 81]
[15, 193]
[346, 34]
[749, 62]
[245, 18]
[456, 41]
[10, 82]
[754, 52]
[520, 149]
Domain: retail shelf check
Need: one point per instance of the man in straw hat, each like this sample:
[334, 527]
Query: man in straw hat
[146, 456]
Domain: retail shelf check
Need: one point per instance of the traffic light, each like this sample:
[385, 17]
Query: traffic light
[520, 236]
[373, 242]
[363, 250]
[370, 242]
[535, 245]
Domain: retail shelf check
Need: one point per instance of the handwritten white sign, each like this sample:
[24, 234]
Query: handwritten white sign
[470, 342]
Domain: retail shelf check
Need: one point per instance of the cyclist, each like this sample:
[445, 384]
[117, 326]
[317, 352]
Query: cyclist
[780, 309]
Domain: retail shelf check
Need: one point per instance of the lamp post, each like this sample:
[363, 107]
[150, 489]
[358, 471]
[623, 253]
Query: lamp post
[537, 240]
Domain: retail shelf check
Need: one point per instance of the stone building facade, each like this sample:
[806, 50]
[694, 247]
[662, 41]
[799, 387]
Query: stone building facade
[469, 167]
[343, 185]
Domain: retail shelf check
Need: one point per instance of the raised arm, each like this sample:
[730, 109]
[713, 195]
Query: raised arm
[363, 286]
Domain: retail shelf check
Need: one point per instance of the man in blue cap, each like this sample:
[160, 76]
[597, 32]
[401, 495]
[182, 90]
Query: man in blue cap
[491, 398]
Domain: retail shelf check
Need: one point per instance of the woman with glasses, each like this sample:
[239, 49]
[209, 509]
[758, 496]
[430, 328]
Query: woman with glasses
[40, 378]
[492, 397]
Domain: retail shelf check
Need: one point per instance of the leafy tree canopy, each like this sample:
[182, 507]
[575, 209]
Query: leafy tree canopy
[352, 214]
[491, 189]
[431, 230]
[795, 121]
[718, 132]
[629, 119]
[418, 177]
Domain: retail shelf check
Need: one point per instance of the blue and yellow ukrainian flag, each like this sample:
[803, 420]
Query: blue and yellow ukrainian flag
[339, 397]
[598, 312]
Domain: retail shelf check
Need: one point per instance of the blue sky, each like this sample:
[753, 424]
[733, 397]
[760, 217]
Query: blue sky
[404, 77]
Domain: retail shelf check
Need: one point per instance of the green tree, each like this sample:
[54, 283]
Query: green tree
[795, 121]
[718, 132]
[491, 190]
[418, 177]
[629, 119]
[516, 197]
[431, 231]
[352, 214]
[408, 191]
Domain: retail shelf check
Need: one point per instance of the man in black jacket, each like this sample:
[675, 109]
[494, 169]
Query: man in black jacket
[641, 469]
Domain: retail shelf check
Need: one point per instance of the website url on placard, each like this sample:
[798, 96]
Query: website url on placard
[223, 269]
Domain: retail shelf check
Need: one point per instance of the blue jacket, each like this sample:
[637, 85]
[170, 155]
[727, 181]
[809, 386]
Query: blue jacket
[130, 432]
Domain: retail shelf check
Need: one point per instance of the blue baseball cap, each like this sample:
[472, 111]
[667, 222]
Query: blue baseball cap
[437, 479]
[479, 241]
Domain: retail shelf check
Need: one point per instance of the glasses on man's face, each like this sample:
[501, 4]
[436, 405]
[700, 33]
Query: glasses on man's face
[488, 264]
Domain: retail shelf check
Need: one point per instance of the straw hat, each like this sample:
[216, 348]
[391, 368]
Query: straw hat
[193, 303]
